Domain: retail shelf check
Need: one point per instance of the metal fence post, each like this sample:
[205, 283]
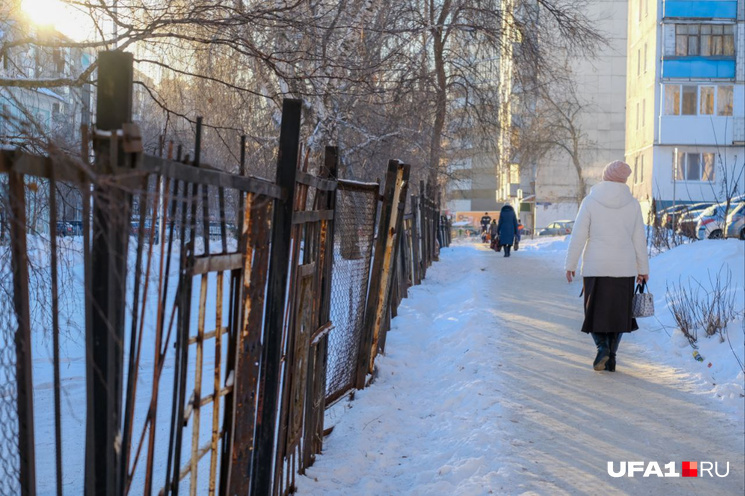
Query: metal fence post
[377, 267]
[262, 473]
[108, 282]
[24, 383]
[392, 298]
[416, 250]
[378, 292]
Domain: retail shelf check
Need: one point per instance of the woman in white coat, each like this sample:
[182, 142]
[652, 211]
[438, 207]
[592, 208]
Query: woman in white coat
[609, 234]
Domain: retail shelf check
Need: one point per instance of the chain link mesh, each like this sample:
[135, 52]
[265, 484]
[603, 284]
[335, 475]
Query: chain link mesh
[9, 458]
[354, 230]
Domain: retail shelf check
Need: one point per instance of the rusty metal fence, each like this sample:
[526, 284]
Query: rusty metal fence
[356, 209]
[168, 327]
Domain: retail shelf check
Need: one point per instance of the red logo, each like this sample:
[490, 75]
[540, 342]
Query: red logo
[690, 469]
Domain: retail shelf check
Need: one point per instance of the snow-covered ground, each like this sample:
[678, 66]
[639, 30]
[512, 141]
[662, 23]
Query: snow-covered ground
[487, 388]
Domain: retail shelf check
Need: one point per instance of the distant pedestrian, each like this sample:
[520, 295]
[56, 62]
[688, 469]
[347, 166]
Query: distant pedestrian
[507, 228]
[494, 233]
[610, 230]
[485, 221]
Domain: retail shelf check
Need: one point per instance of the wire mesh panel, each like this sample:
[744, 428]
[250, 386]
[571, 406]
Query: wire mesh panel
[353, 237]
[9, 457]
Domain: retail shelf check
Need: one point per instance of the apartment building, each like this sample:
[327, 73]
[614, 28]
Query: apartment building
[471, 159]
[28, 113]
[548, 189]
[685, 125]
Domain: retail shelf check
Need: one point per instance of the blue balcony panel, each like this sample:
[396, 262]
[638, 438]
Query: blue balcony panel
[701, 9]
[698, 68]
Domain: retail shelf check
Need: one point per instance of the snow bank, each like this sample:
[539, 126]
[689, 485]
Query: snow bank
[720, 372]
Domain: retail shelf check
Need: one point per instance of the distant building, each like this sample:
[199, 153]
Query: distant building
[471, 158]
[29, 116]
[685, 91]
[27, 112]
[546, 190]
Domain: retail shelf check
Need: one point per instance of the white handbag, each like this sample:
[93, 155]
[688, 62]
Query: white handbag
[642, 305]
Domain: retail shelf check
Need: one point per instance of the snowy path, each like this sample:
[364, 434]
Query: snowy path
[487, 388]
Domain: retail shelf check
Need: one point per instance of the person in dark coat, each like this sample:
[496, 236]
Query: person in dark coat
[493, 233]
[507, 228]
[485, 221]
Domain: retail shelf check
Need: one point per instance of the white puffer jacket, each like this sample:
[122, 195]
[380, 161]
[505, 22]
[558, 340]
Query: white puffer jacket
[610, 229]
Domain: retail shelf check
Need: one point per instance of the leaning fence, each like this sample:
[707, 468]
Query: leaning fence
[166, 326]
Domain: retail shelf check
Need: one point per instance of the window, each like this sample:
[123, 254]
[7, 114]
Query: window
[58, 59]
[640, 10]
[641, 169]
[637, 115]
[724, 100]
[689, 100]
[514, 173]
[644, 112]
[709, 165]
[706, 105]
[672, 99]
[704, 39]
[717, 39]
[703, 100]
[636, 169]
[4, 118]
[695, 166]
[638, 62]
[686, 39]
[645, 58]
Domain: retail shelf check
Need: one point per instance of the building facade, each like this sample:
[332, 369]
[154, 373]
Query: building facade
[685, 114]
[470, 155]
[548, 188]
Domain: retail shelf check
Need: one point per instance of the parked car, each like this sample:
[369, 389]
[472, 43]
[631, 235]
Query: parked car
[77, 227]
[558, 228]
[666, 215]
[711, 222]
[736, 222]
[64, 228]
[688, 221]
[135, 225]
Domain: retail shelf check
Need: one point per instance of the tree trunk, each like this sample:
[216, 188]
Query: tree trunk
[435, 151]
[581, 183]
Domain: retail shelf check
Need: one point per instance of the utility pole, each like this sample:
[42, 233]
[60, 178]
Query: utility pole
[675, 177]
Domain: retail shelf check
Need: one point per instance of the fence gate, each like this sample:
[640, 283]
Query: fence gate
[354, 232]
[305, 336]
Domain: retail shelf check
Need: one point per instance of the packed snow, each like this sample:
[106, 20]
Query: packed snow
[487, 387]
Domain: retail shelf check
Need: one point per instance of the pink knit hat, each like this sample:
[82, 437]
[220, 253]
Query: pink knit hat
[616, 171]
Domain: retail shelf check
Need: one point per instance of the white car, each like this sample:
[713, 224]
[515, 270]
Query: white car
[736, 222]
[711, 222]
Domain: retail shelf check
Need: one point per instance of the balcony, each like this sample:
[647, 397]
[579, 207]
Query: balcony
[710, 9]
[698, 67]
[703, 130]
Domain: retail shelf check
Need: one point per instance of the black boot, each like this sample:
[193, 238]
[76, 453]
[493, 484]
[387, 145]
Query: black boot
[507, 250]
[613, 342]
[603, 355]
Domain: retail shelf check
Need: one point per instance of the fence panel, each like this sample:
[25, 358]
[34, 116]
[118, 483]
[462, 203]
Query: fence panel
[356, 208]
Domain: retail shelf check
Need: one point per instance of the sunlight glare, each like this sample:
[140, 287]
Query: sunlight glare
[55, 14]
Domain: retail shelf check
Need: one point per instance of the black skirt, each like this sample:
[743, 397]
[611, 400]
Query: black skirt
[608, 304]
